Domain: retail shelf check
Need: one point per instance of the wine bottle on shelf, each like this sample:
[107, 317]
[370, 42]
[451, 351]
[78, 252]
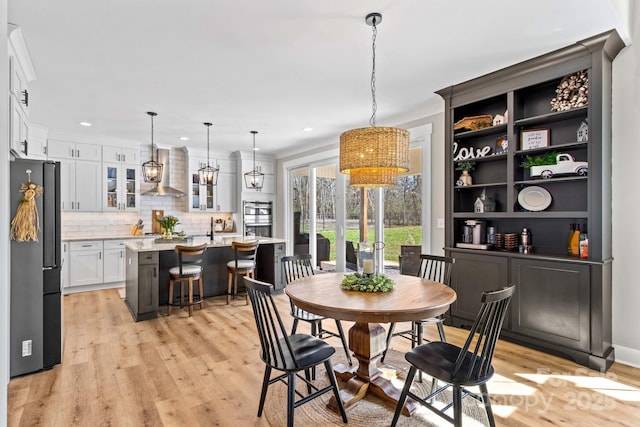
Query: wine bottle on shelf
[575, 241]
[572, 229]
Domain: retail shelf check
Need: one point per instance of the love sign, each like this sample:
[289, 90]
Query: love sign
[467, 153]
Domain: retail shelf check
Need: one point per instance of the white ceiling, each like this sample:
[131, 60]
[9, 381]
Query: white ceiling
[275, 66]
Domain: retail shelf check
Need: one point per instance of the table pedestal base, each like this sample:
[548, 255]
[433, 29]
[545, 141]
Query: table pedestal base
[367, 341]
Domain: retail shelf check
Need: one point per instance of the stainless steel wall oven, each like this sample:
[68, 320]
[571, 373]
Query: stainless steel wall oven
[257, 218]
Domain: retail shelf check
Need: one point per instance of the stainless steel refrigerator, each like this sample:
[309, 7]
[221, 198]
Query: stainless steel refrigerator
[36, 312]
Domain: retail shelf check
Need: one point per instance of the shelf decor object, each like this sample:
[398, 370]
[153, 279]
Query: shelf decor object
[561, 303]
[465, 179]
[473, 123]
[208, 174]
[502, 145]
[582, 134]
[534, 138]
[572, 92]
[375, 155]
[152, 170]
[254, 179]
[534, 198]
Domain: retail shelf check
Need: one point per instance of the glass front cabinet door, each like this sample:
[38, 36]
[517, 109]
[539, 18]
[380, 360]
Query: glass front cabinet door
[202, 195]
[121, 187]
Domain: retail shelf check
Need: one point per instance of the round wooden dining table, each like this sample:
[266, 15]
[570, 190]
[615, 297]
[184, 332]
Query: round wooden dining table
[412, 298]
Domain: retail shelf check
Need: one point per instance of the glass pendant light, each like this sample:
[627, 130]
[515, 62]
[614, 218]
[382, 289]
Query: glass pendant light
[254, 179]
[208, 174]
[152, 170]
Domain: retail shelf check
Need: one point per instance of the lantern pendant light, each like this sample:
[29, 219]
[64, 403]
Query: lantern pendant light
[254, 179]
[208, 174]
[374, 156]
[152, 170]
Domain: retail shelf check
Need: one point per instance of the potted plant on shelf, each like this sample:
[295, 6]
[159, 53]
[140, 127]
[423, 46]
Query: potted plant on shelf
[465, 179]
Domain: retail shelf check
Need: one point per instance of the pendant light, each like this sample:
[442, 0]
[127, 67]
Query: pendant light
[152, 170]
[208, 174]
[374, 156]
[254, 179]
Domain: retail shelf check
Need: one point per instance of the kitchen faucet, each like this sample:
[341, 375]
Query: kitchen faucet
[210, 233]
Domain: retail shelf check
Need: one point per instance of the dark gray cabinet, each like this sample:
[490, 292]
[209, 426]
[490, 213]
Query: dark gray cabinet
[472, 275]
[409, 259]
[551, 302]
[142, 284]
[268, 264]
[562, 304]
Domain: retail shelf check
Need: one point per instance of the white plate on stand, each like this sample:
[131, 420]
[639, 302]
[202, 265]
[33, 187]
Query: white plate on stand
[534, 198]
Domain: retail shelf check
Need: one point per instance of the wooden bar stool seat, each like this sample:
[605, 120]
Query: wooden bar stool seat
[243, 264]
[188, 270]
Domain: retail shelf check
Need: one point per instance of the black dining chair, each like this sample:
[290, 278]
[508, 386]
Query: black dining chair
[289, 354]
[296, 267]
[438, 269]
[460, 367]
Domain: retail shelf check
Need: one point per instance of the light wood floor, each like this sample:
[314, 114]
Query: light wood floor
[206, 370]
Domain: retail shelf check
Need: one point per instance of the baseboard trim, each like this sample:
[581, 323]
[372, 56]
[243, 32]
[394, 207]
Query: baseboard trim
[627, 356]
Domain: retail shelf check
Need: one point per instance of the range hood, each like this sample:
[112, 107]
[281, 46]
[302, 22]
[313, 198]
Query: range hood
[164, 187]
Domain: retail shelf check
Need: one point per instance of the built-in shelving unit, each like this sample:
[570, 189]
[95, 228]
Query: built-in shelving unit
[562, 303]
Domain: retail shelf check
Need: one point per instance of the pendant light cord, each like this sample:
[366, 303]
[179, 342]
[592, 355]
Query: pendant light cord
[374, 106]
[151, 137]
[254, 150]
[208, 125]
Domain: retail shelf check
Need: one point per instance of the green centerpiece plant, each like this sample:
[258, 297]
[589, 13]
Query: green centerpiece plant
[168, 223]
[367, 283]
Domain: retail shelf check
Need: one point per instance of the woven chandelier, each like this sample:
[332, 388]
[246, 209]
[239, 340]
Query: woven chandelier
[374, 156]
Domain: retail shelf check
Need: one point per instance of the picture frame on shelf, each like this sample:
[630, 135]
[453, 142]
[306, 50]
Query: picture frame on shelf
[534, 138]
[501, 145]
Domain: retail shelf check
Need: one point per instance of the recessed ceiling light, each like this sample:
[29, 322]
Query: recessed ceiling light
[87, 124]
[307, 129]
[184, 138]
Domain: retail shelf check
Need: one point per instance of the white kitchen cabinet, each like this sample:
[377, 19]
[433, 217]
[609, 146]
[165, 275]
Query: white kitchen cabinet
[27, 139]
[74, 151]
[114, 265]
[266, 165]
[37, 141]
[64, 269]
[201, 197]
[80, 185]
[121, 187]
[19, 128]
[21, 72]
[209, 198]
[128, 156]
[86, 263]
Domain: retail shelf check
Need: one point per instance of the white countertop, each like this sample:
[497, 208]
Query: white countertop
[130, 237]
[107, 237]
[150, 245]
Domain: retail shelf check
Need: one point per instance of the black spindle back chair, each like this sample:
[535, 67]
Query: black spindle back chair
[438, 269]
[289, 354]
[461, 367]
[297, 267]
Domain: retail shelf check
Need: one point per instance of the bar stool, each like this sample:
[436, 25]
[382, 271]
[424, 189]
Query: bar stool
[244, 264]
[188, 270]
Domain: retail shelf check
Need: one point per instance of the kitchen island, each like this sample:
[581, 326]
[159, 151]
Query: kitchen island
[148, 263]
